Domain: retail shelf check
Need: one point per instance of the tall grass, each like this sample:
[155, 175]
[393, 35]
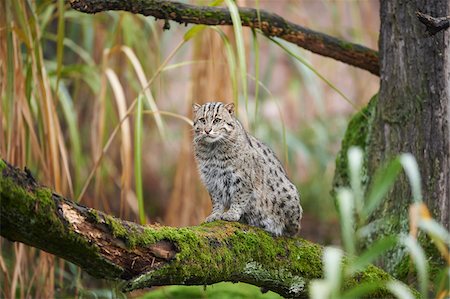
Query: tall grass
[354, 204]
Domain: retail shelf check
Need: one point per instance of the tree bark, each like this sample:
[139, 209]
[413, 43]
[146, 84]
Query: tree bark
[412, 115]
[270, 24]
[145, 256]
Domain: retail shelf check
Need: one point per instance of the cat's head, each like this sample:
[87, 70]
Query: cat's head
[213, 122]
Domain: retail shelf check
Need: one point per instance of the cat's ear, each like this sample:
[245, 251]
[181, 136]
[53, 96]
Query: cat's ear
[230, 108]
[195, 107]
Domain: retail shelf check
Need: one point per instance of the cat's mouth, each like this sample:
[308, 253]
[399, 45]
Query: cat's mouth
[210, 138]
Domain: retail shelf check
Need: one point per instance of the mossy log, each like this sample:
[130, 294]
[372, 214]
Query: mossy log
[270, 24]
[145, 256]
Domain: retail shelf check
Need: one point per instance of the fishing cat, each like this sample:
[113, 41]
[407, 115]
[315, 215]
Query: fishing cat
[246, 181]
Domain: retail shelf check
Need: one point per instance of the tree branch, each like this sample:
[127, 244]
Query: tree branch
[270, 24]
[434, 25]
[145, 256]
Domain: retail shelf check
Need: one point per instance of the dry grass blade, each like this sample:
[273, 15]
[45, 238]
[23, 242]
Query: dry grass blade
[6, 283]
[99, 132]
[116, 129]
[125, 129]
[19, 250]
[143, 81]
[174, 115]
[34, 141]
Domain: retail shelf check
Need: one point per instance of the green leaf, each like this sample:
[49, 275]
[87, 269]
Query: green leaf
[435, 230]
[256, 62]
[420, 261]
[355, 164]
[384, 179]
[216, 3]
[346, 213]
[231, 62]
[193, 32]
[412, 171]
[239, 36]
[138, 159]
[319, 289]
[399, 290]
[282, 45]
[74, 133]
[60, 41]
[372, 253]
[332, 261]
[442, 283]
[362, 290]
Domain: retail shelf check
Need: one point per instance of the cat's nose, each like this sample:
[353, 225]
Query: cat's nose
[207, 130]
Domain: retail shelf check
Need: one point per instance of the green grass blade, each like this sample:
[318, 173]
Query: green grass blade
[138, 68]
[346, 213]
[355, 165]
[187, 120]
[193, 32]
[237, 27]
[256, 51]
[216, 3]
[442, 283]
[384, 179]
[198, 28]
[309, 66]
[435, 230]
[70, 44]
[231, 63]
[183, 63]
[138, 159]
[319, 289]
[372, 253]
[74, 133]
[412, 172]
[9, 79]
[332, 262]
[438, 234]
[362, 290]
[399, 290]
[420, 261]
[60, 42]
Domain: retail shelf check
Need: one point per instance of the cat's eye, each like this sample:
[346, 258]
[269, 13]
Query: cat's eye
[202, 120]
[216, 121]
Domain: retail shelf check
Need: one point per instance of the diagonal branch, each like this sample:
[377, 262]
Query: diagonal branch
[269, 24]
[144, 256]
[433, 25]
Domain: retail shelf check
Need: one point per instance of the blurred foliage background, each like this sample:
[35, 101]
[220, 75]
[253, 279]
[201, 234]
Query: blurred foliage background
[72, 84]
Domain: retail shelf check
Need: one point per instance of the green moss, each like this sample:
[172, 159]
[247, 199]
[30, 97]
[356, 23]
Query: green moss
[94, 214]
[32, 217]
[346, 45]
[116, 227]
[357, 134]
[219, 251]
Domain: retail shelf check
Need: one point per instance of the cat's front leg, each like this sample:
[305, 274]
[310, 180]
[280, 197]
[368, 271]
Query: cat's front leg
[217, 211]
[237, 208]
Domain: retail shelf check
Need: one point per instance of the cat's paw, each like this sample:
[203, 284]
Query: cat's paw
[213, 217]
[230, 216]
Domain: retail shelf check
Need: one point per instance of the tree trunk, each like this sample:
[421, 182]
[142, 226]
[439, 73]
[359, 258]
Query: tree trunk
[412, 115]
